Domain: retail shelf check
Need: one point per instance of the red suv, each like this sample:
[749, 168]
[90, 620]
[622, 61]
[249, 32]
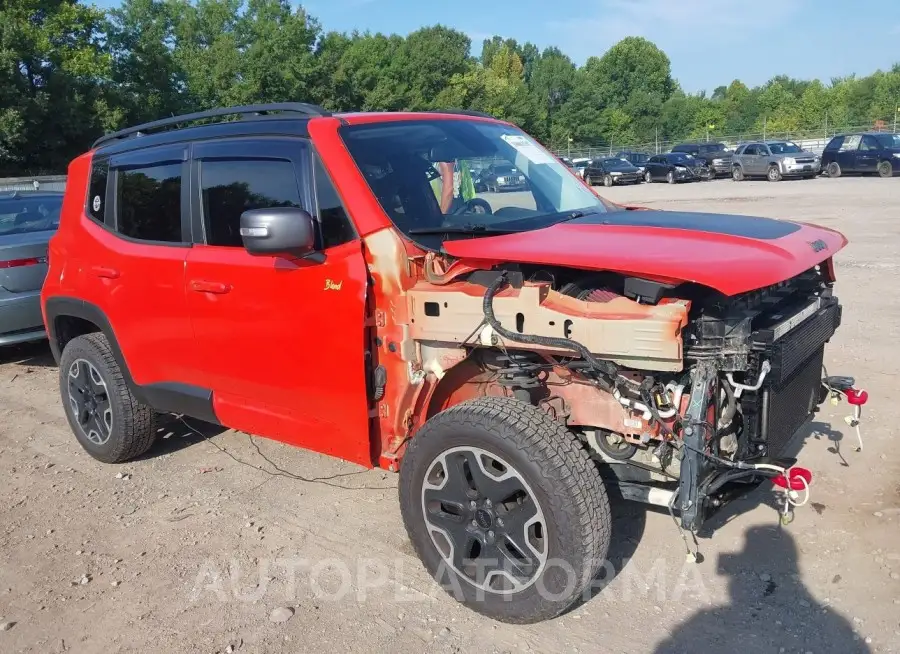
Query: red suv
[336, 282]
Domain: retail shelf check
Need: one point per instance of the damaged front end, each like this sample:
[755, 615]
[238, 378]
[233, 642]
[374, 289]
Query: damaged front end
[685, 397]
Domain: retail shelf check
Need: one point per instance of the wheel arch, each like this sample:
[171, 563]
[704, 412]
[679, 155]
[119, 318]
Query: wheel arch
[68, 318]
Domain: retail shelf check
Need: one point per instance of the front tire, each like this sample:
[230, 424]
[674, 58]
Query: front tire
[773, 174]
[109, 423]
[885, 169]
[670, 177]
[648, 177]
[607, 181]
[505, 509]
[737, 174]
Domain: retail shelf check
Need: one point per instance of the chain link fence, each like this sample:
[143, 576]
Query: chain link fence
[813, 140]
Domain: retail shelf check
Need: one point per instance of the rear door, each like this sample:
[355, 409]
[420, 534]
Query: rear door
[848, 154]
[135, 239]
[868, 154]
[280, 339]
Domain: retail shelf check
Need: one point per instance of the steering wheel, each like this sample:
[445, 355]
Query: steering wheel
[475, 205]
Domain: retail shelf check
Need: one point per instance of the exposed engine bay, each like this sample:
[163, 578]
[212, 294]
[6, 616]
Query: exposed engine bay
[686, 397]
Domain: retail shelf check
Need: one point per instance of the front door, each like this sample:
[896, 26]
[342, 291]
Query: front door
[867, 155]
[281, 339]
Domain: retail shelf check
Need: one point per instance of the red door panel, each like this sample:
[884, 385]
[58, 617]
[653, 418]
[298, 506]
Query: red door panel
[140, 288]
[281, 344]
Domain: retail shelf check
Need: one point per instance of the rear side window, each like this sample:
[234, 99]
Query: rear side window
[835, 143]
[149, 203]
[96, 201]
[851, 143]
[335, 224]
[231, 187]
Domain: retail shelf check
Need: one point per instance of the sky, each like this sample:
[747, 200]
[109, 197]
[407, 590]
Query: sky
[710, 42]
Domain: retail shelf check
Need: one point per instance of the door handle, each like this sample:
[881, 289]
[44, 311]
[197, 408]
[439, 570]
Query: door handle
[203, 286]
[105, 273]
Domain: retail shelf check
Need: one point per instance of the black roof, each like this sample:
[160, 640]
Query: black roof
[286, 118]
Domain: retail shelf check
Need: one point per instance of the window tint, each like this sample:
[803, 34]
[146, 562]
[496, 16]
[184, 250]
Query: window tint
[751, 150]
[149, 203]
[96, 201]
[229, 188]
[335, 224]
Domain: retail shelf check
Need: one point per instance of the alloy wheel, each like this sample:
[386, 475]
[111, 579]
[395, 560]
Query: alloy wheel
[89, 400]
[484, 520]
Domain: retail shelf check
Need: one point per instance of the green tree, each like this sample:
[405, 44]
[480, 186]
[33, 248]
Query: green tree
[52, 99]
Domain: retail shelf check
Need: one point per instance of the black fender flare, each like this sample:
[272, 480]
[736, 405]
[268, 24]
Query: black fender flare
[168, 396]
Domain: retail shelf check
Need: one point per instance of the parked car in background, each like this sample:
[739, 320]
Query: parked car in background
[676, 167]
[579, 164]
[715, 155]
[774, 160]
[611, 170]
[862, 153]
[503, 177]
[638, 159]
[27, 221]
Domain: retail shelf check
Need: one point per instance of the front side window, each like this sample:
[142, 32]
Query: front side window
[421, 173]
[149, 203]
[890, 141]
[231, 187]
[333, 219]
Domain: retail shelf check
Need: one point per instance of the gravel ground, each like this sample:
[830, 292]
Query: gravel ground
[204, 546]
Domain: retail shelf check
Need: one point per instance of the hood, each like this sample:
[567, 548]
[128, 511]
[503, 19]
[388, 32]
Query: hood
[732, 254]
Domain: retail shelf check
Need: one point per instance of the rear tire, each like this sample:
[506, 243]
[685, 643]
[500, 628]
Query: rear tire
[773, 174]
[485, 448]
[886, 169]
[587, 180]
[109, 423]
[834, 169]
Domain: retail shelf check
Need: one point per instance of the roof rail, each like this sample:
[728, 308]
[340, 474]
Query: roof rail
[252, 109]
[461, 112]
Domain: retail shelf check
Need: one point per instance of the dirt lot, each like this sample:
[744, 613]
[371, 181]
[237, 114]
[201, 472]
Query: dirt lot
[192, 548]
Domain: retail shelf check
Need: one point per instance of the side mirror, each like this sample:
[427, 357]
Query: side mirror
[279, 230]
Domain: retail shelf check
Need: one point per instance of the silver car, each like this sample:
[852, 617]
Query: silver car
[774, 160]
[27, 221]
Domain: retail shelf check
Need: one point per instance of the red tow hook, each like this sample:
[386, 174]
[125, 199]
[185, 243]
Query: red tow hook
[793, 482]
[856, 397]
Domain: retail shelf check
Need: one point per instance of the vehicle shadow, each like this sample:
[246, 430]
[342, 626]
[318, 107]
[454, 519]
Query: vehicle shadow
[35, 354]
[768, 610]
[174, 433]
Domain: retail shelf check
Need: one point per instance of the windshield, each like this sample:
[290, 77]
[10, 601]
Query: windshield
[888, 140]
[785, 148]
[23, 215]
[712, 147]
[681, 157]
[420, 172]
[616, 163]
[638, 158]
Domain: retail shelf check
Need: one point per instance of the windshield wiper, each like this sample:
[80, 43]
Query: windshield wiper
[461, 229]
